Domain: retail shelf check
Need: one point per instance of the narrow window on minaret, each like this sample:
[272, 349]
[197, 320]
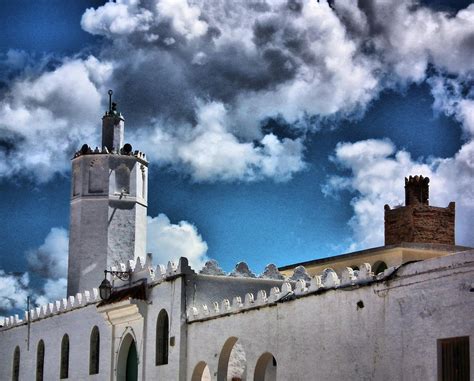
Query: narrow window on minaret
[122, 179]
[96, 184]
[143, 181]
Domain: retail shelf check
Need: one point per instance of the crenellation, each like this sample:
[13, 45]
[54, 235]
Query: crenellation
[348, 277]
[271, 272]
[300, 273]
[211, 267]
[171, 269]
[274, 294]
[330, 278]
[326, 281]
[261, 297]
[237, 303]
[225, 306]
[365, 273]
[300, 287]
[249, 300]
[316, 283]
[286, 289]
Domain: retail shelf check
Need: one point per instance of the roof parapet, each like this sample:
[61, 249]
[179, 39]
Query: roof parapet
[300, 286]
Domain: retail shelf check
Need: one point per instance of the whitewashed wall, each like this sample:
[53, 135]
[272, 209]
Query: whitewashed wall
[327, 337]
[322, 336]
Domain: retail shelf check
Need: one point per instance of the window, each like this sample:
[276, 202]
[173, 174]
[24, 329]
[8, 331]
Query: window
[379, 267]
[94, 351]
[16, 364]
[40, 361]
[64, 370]
[162, 333]
[122, 179]
[453, 359]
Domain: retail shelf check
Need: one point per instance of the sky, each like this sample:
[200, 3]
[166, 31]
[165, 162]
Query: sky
[275, 130]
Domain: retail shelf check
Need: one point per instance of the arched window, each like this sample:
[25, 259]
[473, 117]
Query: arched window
[122, 179]
[201, 372]
[64, 370]
[266, 368]
[379, 267]
[232, 363]
[162, 333]
[94, 351]
[40, 361]
[16, 364]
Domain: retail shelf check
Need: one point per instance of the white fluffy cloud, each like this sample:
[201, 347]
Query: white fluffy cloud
[408, 37]
[184, 17]
[122, 17]
[377, 172]
[50, 259]
[49, 262]
[48, 117]
[13, 291]
[169, 242]
[210, 151]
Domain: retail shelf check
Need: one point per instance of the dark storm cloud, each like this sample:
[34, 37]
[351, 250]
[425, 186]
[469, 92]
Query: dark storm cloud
[193, 73]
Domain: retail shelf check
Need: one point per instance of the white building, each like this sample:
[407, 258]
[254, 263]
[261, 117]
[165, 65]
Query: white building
[333, 319]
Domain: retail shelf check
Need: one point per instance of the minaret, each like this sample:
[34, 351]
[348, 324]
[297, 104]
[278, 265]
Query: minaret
[108, 206]
[417, 221]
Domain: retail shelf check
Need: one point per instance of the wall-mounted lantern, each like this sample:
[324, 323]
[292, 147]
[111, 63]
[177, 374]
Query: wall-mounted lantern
[106, 288]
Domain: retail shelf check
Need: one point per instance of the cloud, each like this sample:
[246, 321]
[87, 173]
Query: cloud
[50, 259]
[53, 289]
[169, 242]
[455, 98]
[170, 62]
[117, 18]
[13, 291]
[407, 36]
[44, 119]
[209, 151]
[377, 172]
[184, 17]
[49, 263]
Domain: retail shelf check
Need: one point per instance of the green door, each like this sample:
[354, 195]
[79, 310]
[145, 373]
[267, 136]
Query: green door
[132, 363]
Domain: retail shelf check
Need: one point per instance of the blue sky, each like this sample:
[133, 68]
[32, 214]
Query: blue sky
[275, 134]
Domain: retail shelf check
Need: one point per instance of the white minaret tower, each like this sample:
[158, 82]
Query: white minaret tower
[108, 206]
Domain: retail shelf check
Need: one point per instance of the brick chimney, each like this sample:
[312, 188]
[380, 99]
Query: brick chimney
[417, 221]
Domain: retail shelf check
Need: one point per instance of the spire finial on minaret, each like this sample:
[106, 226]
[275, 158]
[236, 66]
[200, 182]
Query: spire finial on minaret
[110, 100]
[112, 127]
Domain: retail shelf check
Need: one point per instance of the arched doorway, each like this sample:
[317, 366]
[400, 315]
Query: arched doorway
[266, 368]
[127, 361]
[232, 364]
[201, 372]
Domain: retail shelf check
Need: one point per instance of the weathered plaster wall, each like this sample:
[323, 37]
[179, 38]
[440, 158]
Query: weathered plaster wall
[383, 330]
[328, 337]
[78, 325]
